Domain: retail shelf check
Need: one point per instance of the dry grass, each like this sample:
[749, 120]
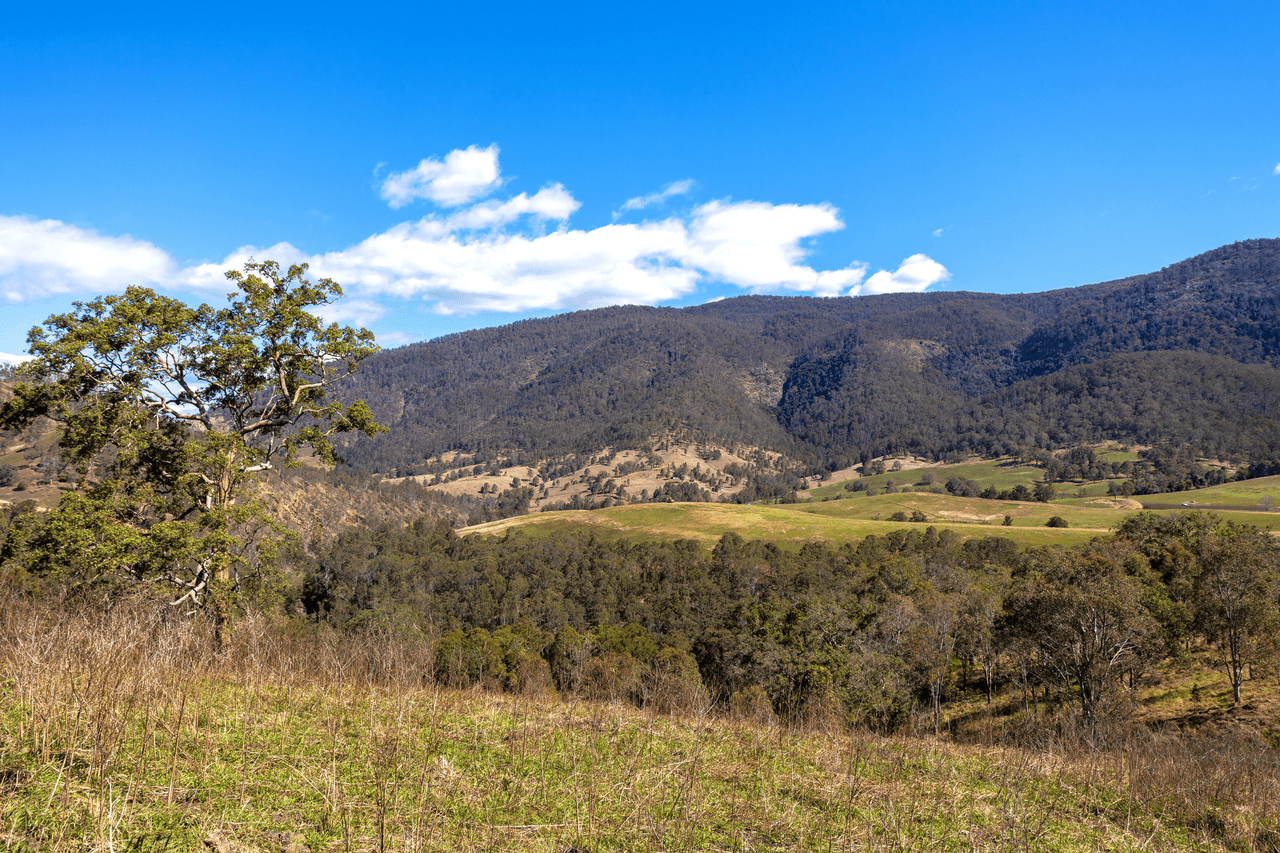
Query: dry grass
[130, 731]
[835, 521]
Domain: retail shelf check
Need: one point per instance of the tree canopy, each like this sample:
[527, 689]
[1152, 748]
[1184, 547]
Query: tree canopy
[166, 411]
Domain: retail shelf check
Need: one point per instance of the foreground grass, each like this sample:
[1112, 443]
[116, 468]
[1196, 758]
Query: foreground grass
[130, 733]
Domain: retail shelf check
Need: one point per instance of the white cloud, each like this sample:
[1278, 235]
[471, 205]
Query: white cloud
[5, 358]
[396, 339]
[642, 201]
[915, 274]
[757, 245]
[494, 255]
[937, 232]
[459, 268]
[1277, 171]
[213, 276]
[553, 202]
[517, 272]
[466, 174]
[358, 312]
[45, 257]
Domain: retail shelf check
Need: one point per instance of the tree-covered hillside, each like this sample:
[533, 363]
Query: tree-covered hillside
[1187, 355]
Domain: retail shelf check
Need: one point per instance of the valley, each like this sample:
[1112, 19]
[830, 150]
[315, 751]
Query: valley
[923, 570]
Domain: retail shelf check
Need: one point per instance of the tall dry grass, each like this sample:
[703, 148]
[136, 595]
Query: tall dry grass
[134, 729]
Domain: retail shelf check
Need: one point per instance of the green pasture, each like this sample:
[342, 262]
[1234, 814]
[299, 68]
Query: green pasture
[1002, 473]
[1117, 455]
[839, 521]
[834, 521]
[969, 511]
[1243, 493]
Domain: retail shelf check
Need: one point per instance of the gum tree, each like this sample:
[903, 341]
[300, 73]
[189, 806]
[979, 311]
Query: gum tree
[1236, 604]
[1222, 579]
[1079, 614]
[168, 412]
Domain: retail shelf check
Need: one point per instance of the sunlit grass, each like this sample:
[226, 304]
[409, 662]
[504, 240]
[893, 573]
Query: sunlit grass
[1001, 473]
[1243, 493]
[135, 734]
[833, 521]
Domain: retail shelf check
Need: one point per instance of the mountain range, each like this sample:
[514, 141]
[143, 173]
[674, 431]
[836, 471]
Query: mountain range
[1186, 356]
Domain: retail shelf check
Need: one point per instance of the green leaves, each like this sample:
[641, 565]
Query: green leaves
[168, 412]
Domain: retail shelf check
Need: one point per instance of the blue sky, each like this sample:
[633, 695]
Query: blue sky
[464, 165]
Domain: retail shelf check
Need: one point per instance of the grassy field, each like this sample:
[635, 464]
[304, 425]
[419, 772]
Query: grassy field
[1003, 474]
[1117, 455]
[839, 521]
[837, 515]
[835, 521]
[130, 733]
[1244, 493]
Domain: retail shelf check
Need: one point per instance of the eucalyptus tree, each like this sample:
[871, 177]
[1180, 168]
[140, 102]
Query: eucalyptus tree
[1223, 579]
[1236, 597]
[1079, 615]
[168, 412]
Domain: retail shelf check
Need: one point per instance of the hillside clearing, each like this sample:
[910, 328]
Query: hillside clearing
[835, 521]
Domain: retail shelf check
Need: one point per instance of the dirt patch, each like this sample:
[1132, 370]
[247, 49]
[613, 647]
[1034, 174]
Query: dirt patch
[952, 515]
[1116, 503]
[906, 463]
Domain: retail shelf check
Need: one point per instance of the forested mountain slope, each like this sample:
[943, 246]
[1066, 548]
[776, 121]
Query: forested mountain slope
[1188, 354]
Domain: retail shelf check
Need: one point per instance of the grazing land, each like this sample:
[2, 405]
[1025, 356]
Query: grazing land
[1002, 473]
[800, 523]
[837, 521]
[1243, 493]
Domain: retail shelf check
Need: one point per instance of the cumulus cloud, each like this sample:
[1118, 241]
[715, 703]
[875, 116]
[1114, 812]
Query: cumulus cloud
[358, 312]
[213, 276]
[757, 245]
[1277, 170]
[915, 274]
[5, 358]
[45, 257]
[463, 273]
[642, 201]
[467, 262]
[464, 175]
[497, 255]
